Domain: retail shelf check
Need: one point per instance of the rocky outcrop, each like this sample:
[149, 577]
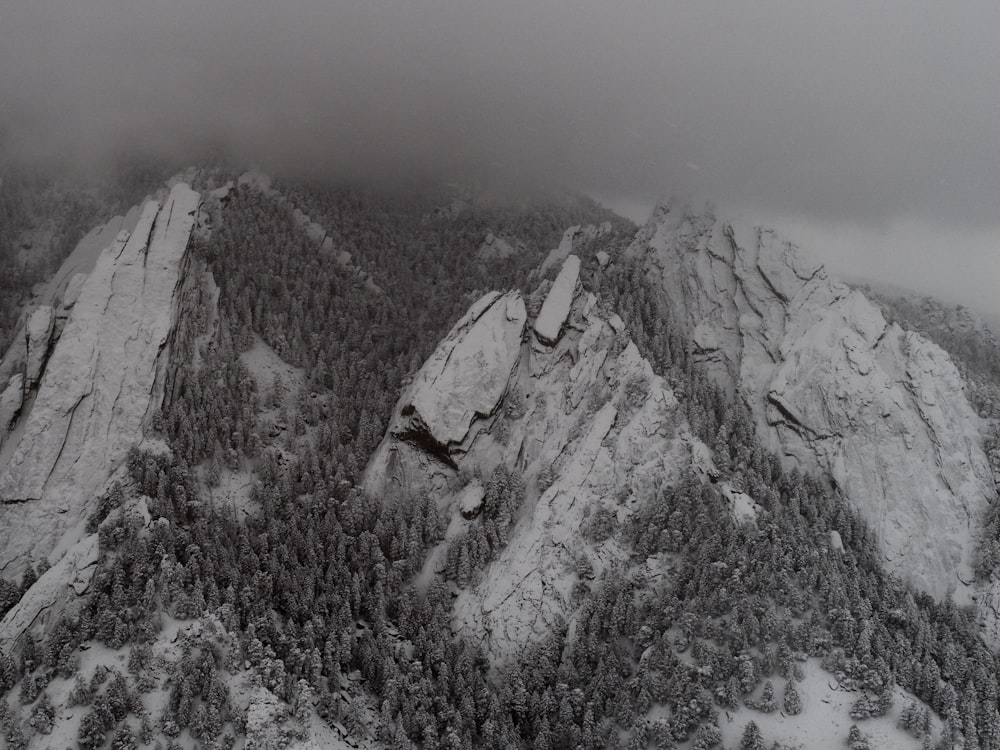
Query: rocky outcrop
[582, 420]
[832, 387]
[494, 247]
[38, 333]
[96, 392]
[466, 376]
[555, 309]
[574, 240]
[10, 404]
[70, 576]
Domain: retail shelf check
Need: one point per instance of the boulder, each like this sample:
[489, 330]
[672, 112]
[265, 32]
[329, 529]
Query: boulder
[468, 374]
[555, 309]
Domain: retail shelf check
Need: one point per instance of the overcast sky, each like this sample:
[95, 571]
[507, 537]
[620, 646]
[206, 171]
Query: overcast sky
[865, 131]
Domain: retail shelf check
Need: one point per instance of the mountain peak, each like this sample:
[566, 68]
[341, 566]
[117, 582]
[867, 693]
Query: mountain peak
[833, 388]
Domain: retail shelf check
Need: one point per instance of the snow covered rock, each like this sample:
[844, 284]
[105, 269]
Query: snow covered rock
[573, 241]
[555, 309]
[832, 387]
[470, 502]
[10, 404]
[468, 374]
[101, 383]
[496, 247]
[38, 333]
[584, 425]
[53, 590]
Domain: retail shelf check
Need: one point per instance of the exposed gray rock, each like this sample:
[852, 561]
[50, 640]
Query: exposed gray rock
[586, 424]
[470, 501]
[53, 590]
[10, 404]
[468, 374]
[38, 334]
[832, 387]
[555, 309]
[99, 386]
[497, 247]
[573, 240]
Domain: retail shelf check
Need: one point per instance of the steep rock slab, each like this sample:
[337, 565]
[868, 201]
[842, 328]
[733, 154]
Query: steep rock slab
[832, 386]
[10, 404]
[468, 374]
[97, 389]
[591, 432]
[38, 333]
[555, 309]
[71, 575]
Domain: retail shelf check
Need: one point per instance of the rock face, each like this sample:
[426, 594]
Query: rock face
[98, 386]
[10, 403]
[572, 241]
[466, 380]
[497, 247]
[555, 309]
[583, 421]
[38, 333]
[832, 386]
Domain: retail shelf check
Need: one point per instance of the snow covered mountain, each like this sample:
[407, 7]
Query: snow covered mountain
[93, 362]
[565, 531]
[561, 400]
[833, 387]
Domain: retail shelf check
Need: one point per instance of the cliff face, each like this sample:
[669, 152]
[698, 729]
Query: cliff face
[832, 387]
[566, 402]
[93, 377]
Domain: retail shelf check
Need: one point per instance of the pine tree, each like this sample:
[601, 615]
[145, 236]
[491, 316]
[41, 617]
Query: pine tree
[766, 702]
[791, 699]
[707, 736]
[856, 740]
[751, 739]
[43, 715]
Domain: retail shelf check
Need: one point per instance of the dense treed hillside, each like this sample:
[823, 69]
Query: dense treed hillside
[357, 345]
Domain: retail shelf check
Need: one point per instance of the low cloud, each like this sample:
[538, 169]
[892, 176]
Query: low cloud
[858, 113]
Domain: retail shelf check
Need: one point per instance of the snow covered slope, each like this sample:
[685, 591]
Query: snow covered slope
[576, 413]
[98, 382]
[832, 386]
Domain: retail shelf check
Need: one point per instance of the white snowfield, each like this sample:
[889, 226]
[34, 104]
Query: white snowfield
[833, 388]
[584, 421]
[99, 384]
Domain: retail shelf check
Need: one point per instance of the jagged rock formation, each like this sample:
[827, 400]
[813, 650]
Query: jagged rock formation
[466, 381]
[10, 404]
[572, 241]
[832, 386]
[498, 247]
[100, 381]
[555, 309]
[38, 333]
[579, 416]
[70, 576]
